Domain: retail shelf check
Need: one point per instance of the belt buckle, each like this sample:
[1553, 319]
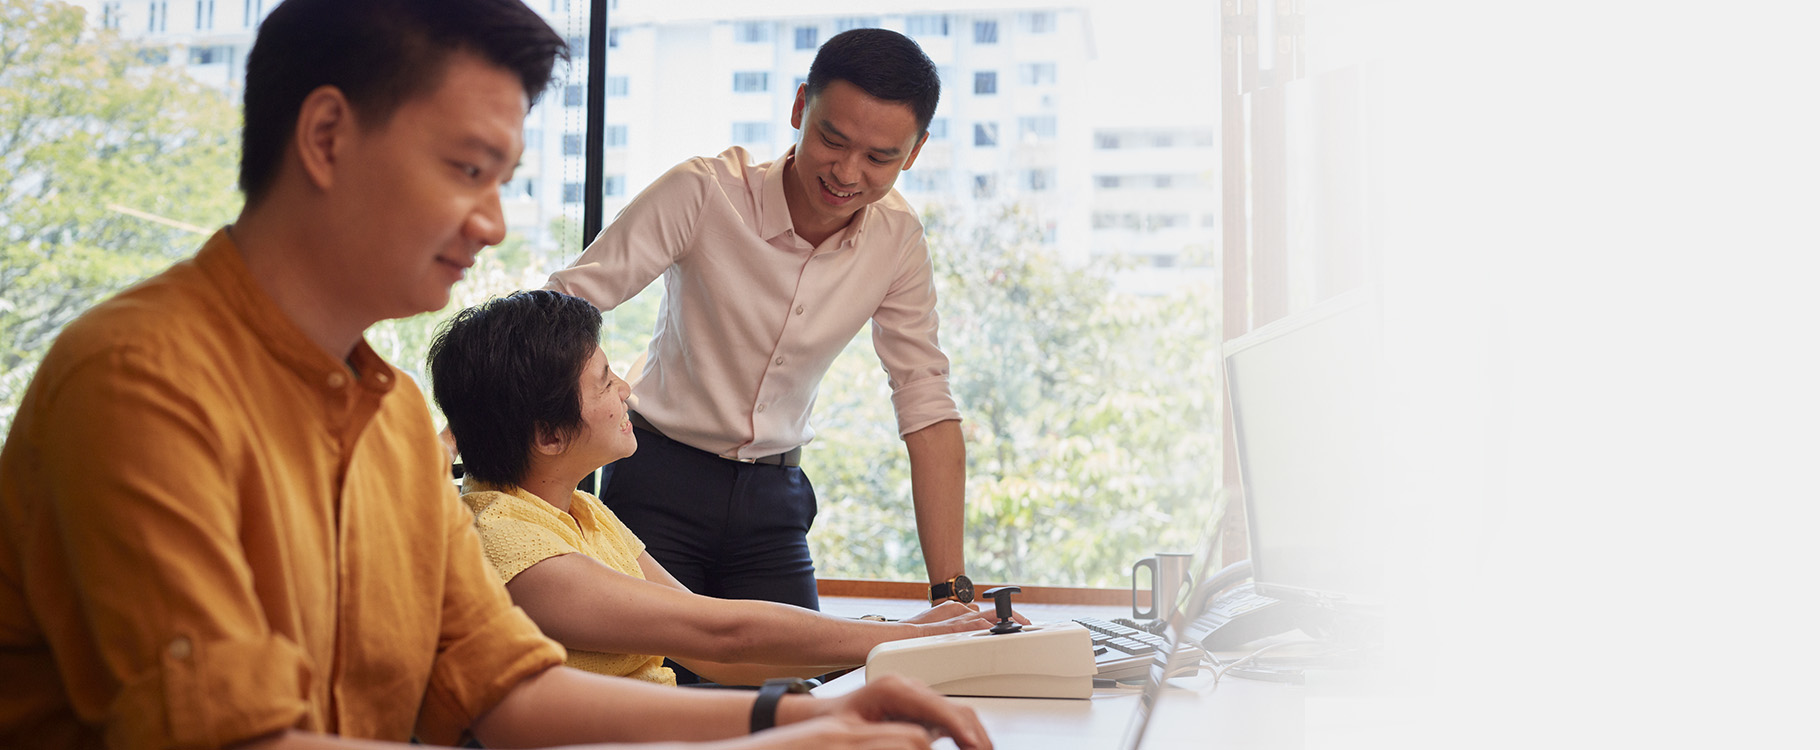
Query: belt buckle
[744, 460]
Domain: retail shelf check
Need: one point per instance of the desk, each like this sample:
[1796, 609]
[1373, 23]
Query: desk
[1238, 713]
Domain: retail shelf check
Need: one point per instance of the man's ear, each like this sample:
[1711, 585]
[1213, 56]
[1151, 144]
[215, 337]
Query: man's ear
[324, 123]
[796, 110]
[914, 150]
[550, 442]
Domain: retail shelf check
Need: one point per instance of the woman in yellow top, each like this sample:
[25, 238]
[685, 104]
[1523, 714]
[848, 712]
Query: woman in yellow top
[535, 408]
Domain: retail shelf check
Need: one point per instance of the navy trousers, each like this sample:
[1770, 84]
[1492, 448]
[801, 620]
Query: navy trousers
[725, 529]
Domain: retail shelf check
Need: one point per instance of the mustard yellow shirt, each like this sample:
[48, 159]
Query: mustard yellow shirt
[211, 529]
[518, 530]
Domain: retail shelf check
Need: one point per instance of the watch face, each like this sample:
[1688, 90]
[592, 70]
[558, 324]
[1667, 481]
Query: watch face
[963, 588]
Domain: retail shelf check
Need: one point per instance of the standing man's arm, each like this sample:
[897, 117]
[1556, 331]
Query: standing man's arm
[938, 486]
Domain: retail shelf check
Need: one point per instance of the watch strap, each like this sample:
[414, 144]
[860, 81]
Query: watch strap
[764, 710]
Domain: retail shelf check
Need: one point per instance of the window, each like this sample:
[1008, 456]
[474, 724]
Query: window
[1105, 140]
[613, 37]
[110, 16]
[752, 32]
[938, 129]
[860, 22]
[985, 134]
[573, 192]
[158, 13]
[617, 86]
[1110, 181]
[615, 137]
[926, 25]
[751, 82]
[985, 82]
[574, 95]
[1038, 179]
[250, 12]
[1037, 128]
[205, 15]
[985, 32]
[153, 55]
[572, 145]
[745, 133]
[985, 186]
[924, 180]
[807, 37]
[209, 55]
[1165, 181]
[1039, 22]
[578, 48]
[1037, 74]
[613, 185]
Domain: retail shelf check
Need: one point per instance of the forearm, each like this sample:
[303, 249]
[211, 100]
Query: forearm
[938, 486]
[567, 706]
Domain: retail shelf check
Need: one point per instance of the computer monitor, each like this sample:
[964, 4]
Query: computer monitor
[1305, 392]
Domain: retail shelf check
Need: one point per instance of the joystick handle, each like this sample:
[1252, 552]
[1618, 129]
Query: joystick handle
[1001, 600]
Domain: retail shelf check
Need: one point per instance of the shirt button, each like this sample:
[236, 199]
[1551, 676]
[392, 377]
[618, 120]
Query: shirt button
[179, 649]
[383, 378]
[761, 408]
[778, 361]
[337, 380]
[799, 309]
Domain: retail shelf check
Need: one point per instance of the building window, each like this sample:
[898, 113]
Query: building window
[613, 37]
[1038, 128]
[1039, 179]
[578, 48]
[208, 55]
[158, 14]
[926, 25]
[250, 12]
[615, 136]
[153, 55]
[985, 186]
[807, 37]
[574, 95]
[985, 134]
[749, 81]
[751, 132]
[985, 32]
[617, 86]
[1039, 22]
[1110, 181]
[205, 15]
[1105, 140]
[1037, 74]
[613, 185]
[1163, 140]
[573, 192]
[1165, 181]
[857, 22]
[938, 129]
[752, 32]
[110, 16]
[572, 144]
[985, 82]
[925, 180]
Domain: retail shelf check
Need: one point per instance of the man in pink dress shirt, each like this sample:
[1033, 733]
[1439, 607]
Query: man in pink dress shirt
[769, 270]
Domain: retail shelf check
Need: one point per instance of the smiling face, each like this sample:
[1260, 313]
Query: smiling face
[852, 148]
[606, 430]
[418, 196]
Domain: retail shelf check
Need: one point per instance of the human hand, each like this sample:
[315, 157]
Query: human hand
[889, 701]
[840, 732]
[953, 610]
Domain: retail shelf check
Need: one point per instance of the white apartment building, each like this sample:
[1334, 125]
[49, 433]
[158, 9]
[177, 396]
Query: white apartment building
[1020, 120]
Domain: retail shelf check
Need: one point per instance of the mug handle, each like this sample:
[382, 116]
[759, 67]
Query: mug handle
[1148, 562]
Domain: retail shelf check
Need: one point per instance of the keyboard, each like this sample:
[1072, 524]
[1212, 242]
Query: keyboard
[1121, 651]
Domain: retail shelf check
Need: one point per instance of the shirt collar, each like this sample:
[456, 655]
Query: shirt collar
[774, 209]
[221, 262]
[583, 513]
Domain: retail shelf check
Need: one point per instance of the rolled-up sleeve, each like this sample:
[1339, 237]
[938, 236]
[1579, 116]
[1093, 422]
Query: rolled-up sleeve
[487, 645]
[157, 627]
[904, 333]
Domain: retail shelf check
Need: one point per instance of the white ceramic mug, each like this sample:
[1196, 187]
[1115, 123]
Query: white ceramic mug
[1169, 581]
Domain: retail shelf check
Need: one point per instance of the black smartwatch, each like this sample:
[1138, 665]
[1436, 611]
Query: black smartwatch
[764, 710]
[958, 588]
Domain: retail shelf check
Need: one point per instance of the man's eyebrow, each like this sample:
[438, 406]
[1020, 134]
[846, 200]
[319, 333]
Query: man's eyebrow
[476, 142]
[827, 126]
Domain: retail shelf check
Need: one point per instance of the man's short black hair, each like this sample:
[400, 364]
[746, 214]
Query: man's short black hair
[884, 64]
[380, 54]
[507, 368]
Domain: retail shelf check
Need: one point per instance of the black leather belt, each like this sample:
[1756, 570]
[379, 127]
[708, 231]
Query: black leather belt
[792, 457]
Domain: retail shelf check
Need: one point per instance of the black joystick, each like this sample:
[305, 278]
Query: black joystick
[1001, 598]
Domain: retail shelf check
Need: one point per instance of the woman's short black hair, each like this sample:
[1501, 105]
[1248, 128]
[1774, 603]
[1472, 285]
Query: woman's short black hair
[507, 368]
[884, 64]
[380, 54]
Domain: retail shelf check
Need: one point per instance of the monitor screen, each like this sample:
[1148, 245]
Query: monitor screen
[1304, 392]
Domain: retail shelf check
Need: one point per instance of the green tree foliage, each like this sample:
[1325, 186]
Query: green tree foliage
[1091, 419]
[102, 162]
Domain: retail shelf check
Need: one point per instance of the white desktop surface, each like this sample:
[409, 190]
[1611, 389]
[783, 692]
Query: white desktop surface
[1236, 714]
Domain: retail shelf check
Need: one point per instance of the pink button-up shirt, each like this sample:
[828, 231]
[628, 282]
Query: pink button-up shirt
[753, 315]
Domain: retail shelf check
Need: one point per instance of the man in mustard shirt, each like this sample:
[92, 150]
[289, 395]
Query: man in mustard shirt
[225, 521]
